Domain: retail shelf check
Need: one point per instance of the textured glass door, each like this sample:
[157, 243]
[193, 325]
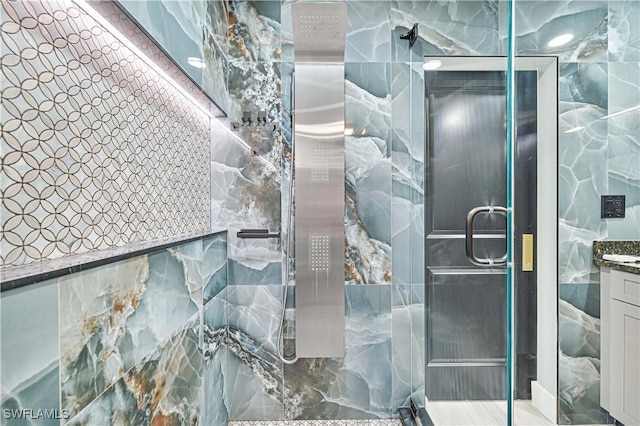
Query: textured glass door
[466, 227]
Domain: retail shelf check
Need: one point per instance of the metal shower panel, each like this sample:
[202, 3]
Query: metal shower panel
[319, 32]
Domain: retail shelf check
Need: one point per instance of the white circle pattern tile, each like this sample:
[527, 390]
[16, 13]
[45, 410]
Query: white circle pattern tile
[98, 148]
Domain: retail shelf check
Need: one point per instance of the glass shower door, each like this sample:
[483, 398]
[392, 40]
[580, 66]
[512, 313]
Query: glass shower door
[482, 331]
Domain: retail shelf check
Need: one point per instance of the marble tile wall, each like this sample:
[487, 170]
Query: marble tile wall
[251, 43]
[599, 149]
[30, 378]
[259, 387]
[246, 194]
[165, 388]
[95, 141]
[368, 216]
[385, 160]
[123, 342]
[176, 26]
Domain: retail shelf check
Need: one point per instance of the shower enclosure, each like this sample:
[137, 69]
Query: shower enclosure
[487, 205]
[428, 261]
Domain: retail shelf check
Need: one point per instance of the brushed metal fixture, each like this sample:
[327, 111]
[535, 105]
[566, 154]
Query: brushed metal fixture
[246, 118]
[257, 233]
[319, 42]
[319, 32]
[473, 213]
[262, 118]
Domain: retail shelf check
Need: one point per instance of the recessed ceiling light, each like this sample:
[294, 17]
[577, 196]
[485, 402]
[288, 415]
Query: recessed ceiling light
[349, 131]
[432, 64]
[196, 62]
[560, 40]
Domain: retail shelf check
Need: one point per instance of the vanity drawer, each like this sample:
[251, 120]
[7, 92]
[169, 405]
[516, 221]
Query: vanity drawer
[625, 287]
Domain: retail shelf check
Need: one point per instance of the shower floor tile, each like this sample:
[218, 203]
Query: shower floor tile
[483, 413]
[378, 422]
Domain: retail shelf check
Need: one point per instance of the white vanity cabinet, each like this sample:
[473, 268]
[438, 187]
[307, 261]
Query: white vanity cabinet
[620, 344]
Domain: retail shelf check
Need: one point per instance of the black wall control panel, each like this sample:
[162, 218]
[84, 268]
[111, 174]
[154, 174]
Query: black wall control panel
[612, 206]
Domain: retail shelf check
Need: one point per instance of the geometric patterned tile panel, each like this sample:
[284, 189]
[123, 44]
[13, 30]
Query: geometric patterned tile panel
[98, 148]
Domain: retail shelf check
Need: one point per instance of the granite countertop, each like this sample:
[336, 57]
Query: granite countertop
[632, 248]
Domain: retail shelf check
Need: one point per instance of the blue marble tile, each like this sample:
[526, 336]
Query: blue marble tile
[245, 189]
[368, 173]
[584, 83]
[216, 23]
[418, 143]
[253, 380]
[417, 245]
[368, 31]
[255, 87]
[624, 32]
[176, 27]
[216, 52]
[407, 110]
[402, 345]
[122, 312]
[401, 238]
[215, 339]
[585, 297]
[578, 364]
[445, 28]
[29, 351]
[583, 177]
[418, 137]
[287, 100]
[287, 32]
[190, 257]
[538, 22]
[214, 75]
[165, 388]
[624, 146]
[401, 181]
[418, 339]
[288, 218]
[251, 268]
[214, 265]
[246, 194]
[254, 30]
[359, 385]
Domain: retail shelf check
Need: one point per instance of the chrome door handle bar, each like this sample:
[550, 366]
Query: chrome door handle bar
[468, 236]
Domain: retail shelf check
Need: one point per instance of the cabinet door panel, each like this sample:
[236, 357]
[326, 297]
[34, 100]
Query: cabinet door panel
[625, 287]
[625, 362]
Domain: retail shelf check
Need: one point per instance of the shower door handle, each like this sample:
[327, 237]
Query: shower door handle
[468, 237]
